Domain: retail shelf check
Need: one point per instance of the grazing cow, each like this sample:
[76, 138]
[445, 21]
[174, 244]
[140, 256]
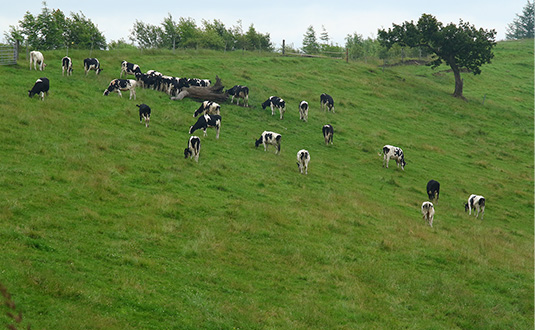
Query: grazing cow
[207, 121]
[326, 102]
[433, 189]
[194, 148]
[66, 65]
[303, 157]
[428, 212]
[394, 153]
[303, 111]
[275, 102]
[475, 202]
[208, 108]
[92, 64]
[144, 113]
[118, 85]
[41, 87]
[239, 91]
[328, 133]
[37, 59]
[272, 138]
[129, 68]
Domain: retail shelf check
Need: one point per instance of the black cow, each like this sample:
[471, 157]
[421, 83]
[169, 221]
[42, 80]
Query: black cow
[66, 65]
[275, 102]
[118, 85]
[41, 87]
[129, 68]
[328, 133]
[207, 121]
[144, 113]
[326, 102]
[92, 64]
[239, 91]
[433, 189]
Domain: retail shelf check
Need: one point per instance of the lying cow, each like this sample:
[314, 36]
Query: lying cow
[394, 153]
[66, 66]
[428, 212]
[118, 85]
[239, 91]
[207, 121]
[144, 113]
[326, 102]
[199, 82]
[272, 138]
[193, 149]
[275, 102]
[41, 87]
[475, 202]
[208, 108]
[92, 64]
[433, 189]
[37, 59]
[303, 111]
[303, 157]
[129, 68]
[328, 133]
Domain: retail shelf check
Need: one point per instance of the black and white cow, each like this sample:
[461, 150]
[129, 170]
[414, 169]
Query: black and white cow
[207, 121]
[118, 85]
[477, 203]
[239, 91]
[328, 133]
[394, 153]
[428, 212]
[37, 59]
[208, 108]
[272, 138]
[326, 102]
[66, 66]
[193, 149]
[303, 111]
[275, 102]
[41, 87]
[199, 82]
[433, 189]
[129, 68]
[92, 64]
[303, 157]
[144, 113]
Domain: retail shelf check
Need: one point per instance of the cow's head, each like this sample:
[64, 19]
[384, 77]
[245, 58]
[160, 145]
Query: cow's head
[466, 207]
[30, 93]
[187, 152]
[258, 142]
[265, 104]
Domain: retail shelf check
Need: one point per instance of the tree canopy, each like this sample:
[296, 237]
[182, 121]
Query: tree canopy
[522, 27]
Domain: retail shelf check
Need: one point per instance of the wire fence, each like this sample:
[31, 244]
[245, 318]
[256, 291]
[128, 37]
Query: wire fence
[8, 54]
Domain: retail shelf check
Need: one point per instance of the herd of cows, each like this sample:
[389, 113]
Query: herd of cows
[211, 118]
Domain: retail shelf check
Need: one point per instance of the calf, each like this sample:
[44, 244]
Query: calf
[144, 113]
[92, 64]
[272, 138]
[303, 157]
[208, 108]
[239, 91]
[207, 121]
[475, 202]
[37, 59]
[129, 68]
[118, 85]
[394, 153]
[41, 86]
[326, 102]
[428, 212]
[328, 133]
[303, 111]
[193, 149]
[433, 189]
[66, 65]
[275, 102]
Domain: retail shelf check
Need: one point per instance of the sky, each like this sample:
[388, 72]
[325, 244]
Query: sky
[288, 20]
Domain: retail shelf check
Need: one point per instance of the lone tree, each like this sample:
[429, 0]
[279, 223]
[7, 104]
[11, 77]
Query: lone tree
[460, 47]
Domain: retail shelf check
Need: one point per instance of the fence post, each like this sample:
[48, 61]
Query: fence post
[347, 55]
[283, 46]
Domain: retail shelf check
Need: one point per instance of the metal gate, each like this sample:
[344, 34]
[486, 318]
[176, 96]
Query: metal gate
[8, 54]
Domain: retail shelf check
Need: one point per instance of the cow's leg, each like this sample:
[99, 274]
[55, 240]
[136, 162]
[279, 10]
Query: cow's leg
[272, 112]
[482, 212]
[204, 129]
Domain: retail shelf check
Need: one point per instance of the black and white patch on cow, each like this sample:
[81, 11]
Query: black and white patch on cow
[240, 92]
[144, 113]
[275, 102]
[303, 157]
[433, 189]
[129, 68]
[66, 66]
[303, 111]
[328, 133]
[326, 102]
[193, 149]
[206, 121]
[476, 203]
[118, 85]
[41, 87]
[428, 212]
[92, 64]
[272, 138]
[208, 108]
[394, 153]
[37, 59]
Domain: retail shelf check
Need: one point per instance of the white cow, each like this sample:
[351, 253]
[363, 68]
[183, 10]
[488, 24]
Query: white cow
[37, 58]
[475, 202]
[428, 212]
[272, 138]
[394, 153]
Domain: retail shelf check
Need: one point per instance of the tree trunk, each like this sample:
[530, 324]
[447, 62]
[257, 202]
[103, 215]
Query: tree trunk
[458, 82]
[213, 93]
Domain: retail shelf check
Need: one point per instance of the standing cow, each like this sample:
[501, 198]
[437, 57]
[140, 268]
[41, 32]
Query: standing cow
[66, 66]
[208, 108]
[433, 189]
[144, 113]
[326, 102]
[193, 149]
[428, 212]
[275, 102]
[303, 111]
[394, 153]
[129, 68]
[41, 87]
[92, 64]
[207, 121]
[303, 157]
[118, 85]
[239, 91]
[477, 203]
[272, 138]
[37, 59]
[328, 133]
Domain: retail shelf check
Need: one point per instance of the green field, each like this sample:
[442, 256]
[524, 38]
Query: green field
[105, 225]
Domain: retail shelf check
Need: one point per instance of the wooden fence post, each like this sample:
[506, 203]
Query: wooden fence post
[283, 46]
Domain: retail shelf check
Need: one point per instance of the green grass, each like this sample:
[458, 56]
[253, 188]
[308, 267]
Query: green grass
[104, 225]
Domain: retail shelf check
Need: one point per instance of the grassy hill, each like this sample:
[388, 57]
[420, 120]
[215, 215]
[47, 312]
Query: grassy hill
[105, 225]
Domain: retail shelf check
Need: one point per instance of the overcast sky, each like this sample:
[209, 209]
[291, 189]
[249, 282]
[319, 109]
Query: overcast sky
[287, 20]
